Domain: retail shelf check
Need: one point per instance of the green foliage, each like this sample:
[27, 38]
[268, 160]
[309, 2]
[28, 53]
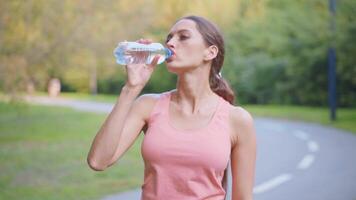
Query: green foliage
[282, 54]
[346, 49]
[276, 51]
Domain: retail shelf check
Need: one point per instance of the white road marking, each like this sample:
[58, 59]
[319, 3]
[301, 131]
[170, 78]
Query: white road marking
[301, 135]
[313, 146]
[306, 162]
[272, 183]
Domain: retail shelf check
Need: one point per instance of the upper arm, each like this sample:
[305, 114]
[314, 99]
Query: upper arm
[243, 154]
[134, 123]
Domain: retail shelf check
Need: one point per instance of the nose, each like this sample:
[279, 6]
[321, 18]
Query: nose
[170, 43]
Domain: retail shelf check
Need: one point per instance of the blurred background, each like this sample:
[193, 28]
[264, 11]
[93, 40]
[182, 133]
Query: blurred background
[276, 62]
[276, 50]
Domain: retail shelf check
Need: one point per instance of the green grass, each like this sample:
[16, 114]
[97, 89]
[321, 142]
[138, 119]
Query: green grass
[43, 149]
[43, 155]
[346, 117]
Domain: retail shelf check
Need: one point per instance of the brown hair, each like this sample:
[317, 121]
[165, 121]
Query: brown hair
[218, 84]
[212, 36]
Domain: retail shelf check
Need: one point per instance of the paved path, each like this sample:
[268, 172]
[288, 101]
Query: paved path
[75, 104]
[295, 160]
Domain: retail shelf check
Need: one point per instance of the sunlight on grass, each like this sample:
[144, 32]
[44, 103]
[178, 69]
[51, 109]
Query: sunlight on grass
[43, 155]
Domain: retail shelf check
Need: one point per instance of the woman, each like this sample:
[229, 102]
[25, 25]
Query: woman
[192, 132]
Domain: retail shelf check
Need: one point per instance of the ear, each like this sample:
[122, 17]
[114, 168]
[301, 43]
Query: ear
[210, 53]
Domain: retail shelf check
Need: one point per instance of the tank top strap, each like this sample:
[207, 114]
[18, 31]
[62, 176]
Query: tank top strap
[160, 107]
[223, 111]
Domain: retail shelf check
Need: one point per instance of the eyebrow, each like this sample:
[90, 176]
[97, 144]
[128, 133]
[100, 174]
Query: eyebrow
[179, 31]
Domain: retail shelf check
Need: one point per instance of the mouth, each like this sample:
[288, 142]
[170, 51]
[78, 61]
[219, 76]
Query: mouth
[172, 56]
[173, 52]
[169, 59]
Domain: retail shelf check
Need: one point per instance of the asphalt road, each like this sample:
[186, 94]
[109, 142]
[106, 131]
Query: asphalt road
[295, 160]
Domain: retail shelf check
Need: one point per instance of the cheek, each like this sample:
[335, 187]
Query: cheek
[195, 53]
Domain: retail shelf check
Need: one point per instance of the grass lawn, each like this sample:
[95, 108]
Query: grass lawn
[43, 155]
[43, 149]
[346, 117]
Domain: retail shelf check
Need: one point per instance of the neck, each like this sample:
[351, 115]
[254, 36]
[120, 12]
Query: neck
[193, 91]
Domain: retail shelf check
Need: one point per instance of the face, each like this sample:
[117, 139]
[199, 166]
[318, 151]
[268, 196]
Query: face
[188, 46]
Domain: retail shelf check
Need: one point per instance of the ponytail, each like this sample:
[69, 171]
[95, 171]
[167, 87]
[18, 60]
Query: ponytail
[221, 87]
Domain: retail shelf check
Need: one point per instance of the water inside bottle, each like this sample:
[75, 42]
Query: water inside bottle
[138, 57]
[134, 53]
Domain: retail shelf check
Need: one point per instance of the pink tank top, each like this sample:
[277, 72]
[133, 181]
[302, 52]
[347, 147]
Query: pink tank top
[185, 164]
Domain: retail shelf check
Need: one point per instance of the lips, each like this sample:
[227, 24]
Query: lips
[169, 59]
[173, 52]
[172, 56]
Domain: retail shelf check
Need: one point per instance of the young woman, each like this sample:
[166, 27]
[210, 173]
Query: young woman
[191, 132]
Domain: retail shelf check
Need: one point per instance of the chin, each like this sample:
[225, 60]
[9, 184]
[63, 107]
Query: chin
[173, 68]
[177, 69]
[172, 64]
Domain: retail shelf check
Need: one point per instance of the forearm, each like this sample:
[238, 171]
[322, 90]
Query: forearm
[107, 139]
[242, 197]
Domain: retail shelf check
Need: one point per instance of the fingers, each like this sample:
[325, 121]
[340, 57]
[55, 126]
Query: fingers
[154, 61]
[144, 41]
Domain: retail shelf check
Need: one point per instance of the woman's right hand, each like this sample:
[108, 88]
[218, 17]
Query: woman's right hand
[139, 74]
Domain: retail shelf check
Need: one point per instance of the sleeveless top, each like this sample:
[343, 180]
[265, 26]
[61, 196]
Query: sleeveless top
[185, 164]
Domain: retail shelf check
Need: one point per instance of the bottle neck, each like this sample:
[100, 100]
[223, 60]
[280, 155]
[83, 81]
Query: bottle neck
[169, 53]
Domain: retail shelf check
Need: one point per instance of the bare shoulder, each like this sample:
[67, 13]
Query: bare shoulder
[241, 123]
[240, 115]
[145, 103]
[147, 99]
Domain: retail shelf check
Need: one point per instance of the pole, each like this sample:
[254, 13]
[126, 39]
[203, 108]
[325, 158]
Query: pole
[332, 63]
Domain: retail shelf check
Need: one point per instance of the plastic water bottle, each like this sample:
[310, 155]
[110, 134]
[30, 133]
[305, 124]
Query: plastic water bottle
[137, 53]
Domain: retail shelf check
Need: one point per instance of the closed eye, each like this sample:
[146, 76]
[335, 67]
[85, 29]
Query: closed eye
[183, 37]
[181, 34]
